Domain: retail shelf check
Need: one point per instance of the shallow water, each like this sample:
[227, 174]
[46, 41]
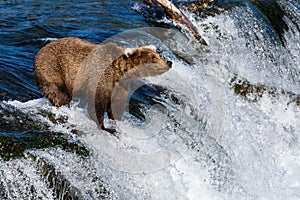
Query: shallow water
[188, 133]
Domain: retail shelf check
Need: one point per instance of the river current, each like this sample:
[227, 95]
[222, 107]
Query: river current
[223, 123]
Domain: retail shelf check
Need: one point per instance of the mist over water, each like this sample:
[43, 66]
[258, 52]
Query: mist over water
[188, 135]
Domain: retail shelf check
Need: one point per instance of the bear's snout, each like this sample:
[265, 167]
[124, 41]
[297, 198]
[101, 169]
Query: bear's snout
[169, 63]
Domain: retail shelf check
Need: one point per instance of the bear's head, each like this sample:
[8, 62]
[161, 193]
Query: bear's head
[134, 63]
[141, 62]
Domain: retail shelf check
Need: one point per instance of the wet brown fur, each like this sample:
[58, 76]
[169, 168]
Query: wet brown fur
[57, 64]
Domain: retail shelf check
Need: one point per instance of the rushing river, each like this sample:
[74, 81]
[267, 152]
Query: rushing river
[223, 123]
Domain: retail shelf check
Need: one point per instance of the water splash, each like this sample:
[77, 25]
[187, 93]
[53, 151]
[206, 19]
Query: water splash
[233, 148]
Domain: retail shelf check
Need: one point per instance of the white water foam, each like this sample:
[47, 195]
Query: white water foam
[231, 148]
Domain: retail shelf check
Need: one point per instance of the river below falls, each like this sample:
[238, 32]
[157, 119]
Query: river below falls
[223, 123]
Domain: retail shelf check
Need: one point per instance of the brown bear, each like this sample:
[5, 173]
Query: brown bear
[98, 74]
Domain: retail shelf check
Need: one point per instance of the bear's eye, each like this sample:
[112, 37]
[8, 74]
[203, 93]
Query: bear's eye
[154, 58]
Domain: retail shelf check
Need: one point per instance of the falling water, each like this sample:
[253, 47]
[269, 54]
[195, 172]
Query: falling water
[197, 137]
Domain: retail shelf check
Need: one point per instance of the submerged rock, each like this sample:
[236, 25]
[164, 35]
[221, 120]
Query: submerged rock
[254, 92]
[14, 145]
[22, 130]
[13, 119]
[62, 186]
[272, 10]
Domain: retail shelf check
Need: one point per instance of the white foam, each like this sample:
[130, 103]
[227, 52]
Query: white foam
[47, 39]
[229, 148]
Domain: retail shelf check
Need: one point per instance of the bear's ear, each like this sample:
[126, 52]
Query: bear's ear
[151, 47]
[129, 51]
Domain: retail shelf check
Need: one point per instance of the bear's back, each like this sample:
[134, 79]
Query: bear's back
[64, 56]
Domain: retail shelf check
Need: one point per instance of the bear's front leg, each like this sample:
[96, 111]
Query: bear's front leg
[100, 118]
[109, 111]
[110, 130]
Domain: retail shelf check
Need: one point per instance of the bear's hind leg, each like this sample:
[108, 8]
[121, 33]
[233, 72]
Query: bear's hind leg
[56, 93]
[50, 77]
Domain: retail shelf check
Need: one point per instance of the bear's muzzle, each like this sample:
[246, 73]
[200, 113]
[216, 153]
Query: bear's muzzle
[169, 63]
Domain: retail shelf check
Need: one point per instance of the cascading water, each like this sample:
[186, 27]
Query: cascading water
[198, 137]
